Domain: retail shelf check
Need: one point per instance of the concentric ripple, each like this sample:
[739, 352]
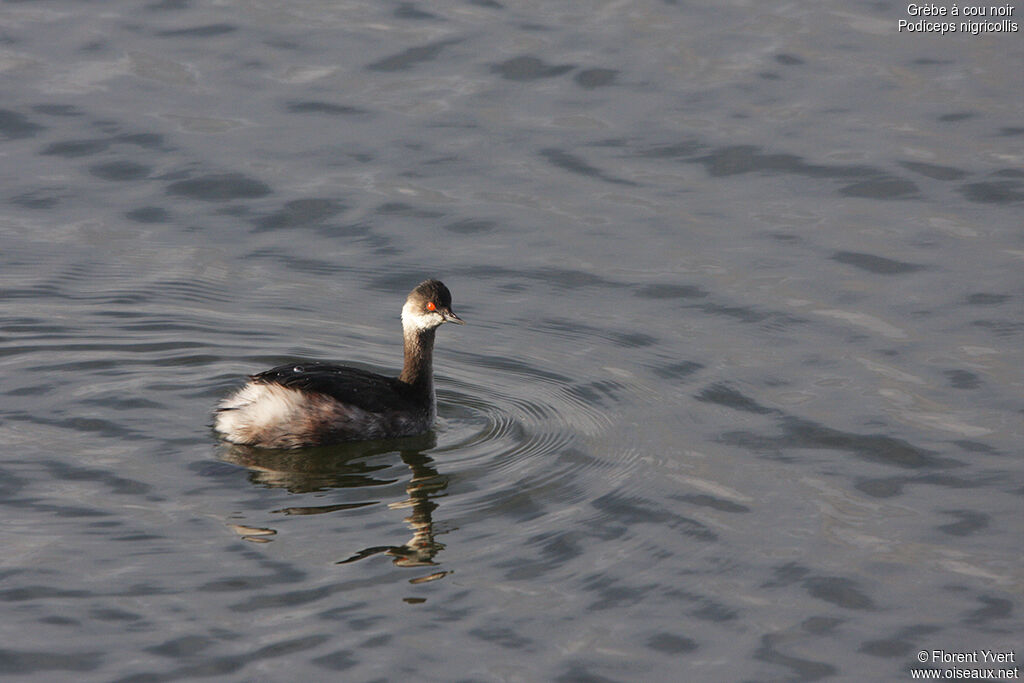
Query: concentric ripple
[528, 431]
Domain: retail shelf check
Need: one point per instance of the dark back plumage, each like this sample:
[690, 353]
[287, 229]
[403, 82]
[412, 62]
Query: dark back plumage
[353, 386]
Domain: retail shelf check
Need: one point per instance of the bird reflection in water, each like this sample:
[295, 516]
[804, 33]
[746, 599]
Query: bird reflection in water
[344, 466]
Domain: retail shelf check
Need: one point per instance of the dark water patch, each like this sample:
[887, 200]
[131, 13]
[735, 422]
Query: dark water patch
[319, 107]
[113, 614]
[874, 264]
[577, 672]
[962, 379]
[993, 609]
[1011, 131]
[667, 291]
[125, 403]
[881, 188]
[788, 59]
[630, 510]
[503, 637]
[57, 109]
[148, 214]
[34, 592]
[887, 487]
[566, 278]
[228, 664]
[994, 192]
[676, 371]
[798, 433]
[169, 5]
[804, 670]
[339, 660]
[76, 148]
[408, 10]
[744, 314]
[573, 164]
[900, 643]
[714, 611]
[403, 209]
[521, 369]
[24, 662]
[670, 643]
[305, 264]
[529, 69]
[1000, 328]
[987, 299]
[219, 187]
[724, 395]
[554, 550]
[407, 59]
[713, 502]
[71, 149]
[119, 171]
[28, 391]
[947, 480]
[301, 213]
[138, 538]
[740, 159]
[116, 484]
[821, 626]
[143, 140]
[71, 512]
[680, 151]
[16, 126]
[890, 648]
[10, 486]
[838, 591]
[471, 226]
[595, 78]
[976, 447]
[968, 522]
[880, 448]
[58, 620]
[206, 31]
[254, 584]
[632, 340]
[934, 171]
[287, 599]
[184, 646]
[613, 593]
[38, 200]
[786, 574]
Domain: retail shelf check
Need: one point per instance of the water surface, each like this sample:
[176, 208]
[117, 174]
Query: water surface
[739, 398]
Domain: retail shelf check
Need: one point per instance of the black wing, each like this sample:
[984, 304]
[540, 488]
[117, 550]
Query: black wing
[352, 386]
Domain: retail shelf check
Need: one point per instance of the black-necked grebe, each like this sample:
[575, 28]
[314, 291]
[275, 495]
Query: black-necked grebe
[311, 404]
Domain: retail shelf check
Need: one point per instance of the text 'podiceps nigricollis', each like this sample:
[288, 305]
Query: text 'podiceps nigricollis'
[313, 404]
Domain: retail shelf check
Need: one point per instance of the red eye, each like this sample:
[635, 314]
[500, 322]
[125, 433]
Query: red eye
[431, 306]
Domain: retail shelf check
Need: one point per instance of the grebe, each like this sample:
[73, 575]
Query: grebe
[312, 404]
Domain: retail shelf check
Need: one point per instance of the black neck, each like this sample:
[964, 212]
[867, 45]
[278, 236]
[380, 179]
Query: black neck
[418, 369]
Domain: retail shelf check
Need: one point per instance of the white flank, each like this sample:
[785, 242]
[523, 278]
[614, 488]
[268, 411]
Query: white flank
[257, 407]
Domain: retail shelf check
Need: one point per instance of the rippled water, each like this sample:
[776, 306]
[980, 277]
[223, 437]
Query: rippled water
[739, 398]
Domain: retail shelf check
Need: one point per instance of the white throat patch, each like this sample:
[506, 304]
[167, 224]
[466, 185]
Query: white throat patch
[414, 320]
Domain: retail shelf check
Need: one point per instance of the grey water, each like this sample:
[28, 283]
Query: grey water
[740, 395]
